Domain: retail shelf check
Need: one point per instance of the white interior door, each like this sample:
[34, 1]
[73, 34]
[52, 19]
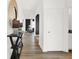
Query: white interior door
[56, 30]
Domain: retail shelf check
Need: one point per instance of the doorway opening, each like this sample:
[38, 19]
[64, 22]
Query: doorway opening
[27, 24]
[37, 24]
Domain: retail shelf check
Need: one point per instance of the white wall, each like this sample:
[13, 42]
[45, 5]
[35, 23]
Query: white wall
[69, 6]
[9, 30]
[39, 10]
[29, 4]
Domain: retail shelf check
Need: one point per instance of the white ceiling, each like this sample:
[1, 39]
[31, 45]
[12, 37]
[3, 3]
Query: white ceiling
[27, 8]
[29, 4]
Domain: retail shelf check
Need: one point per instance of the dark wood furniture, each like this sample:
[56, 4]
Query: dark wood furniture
[17, 46]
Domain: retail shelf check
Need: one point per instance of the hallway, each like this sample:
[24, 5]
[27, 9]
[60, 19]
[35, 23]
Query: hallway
[31, 50]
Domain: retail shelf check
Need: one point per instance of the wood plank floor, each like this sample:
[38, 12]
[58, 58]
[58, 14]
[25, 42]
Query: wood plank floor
[31, 50]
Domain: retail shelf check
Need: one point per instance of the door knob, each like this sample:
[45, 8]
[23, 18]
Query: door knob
[48, 31]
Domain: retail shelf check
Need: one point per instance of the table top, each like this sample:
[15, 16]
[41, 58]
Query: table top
[19, 34]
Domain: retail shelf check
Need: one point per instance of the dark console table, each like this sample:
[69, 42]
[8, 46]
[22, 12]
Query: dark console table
[17, 46]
